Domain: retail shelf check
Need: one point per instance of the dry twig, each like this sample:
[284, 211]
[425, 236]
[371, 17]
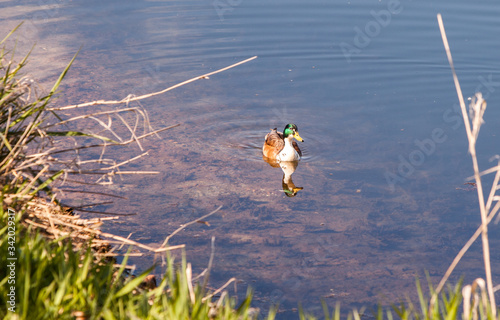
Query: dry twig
[129, 99]
[182, 227]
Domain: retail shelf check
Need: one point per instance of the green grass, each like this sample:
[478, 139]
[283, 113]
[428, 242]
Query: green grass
[53, 282]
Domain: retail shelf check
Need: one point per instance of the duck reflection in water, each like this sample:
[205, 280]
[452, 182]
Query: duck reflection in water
[288, 168]
[280, 150]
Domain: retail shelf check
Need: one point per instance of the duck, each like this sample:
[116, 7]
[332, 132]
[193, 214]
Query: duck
[281, 146]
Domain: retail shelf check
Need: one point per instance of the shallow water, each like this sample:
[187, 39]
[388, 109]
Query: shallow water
[371, 106]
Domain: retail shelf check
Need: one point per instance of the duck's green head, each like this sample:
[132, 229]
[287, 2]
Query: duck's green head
[292, 130]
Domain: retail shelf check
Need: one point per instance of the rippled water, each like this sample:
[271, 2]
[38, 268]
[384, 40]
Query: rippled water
[367, 83]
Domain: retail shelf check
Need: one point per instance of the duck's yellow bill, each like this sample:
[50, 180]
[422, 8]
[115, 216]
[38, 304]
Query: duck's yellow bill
[296, 136]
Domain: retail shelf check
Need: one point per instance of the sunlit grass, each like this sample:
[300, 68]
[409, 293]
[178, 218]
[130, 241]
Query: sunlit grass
[54, 282]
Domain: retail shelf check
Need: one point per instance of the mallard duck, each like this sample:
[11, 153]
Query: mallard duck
[280, 146]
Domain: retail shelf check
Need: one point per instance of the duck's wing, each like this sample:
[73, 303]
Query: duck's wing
[296, 147]
[273, 144]
[275, 139]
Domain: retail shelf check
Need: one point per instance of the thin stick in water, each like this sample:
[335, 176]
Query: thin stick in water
[132, 99]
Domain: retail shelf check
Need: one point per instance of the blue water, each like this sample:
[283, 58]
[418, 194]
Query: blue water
[370, 88]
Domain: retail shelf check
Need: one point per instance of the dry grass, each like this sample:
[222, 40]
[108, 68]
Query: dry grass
[473, 121]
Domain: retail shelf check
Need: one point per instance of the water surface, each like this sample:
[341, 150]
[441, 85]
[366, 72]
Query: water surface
[369, 87]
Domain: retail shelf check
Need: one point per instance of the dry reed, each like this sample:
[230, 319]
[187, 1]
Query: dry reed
[473, 120]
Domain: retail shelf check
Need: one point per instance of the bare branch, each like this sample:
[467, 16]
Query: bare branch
[129, 99]
[182, 227]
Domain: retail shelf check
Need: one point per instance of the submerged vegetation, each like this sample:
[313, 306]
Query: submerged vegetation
[57, 265]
